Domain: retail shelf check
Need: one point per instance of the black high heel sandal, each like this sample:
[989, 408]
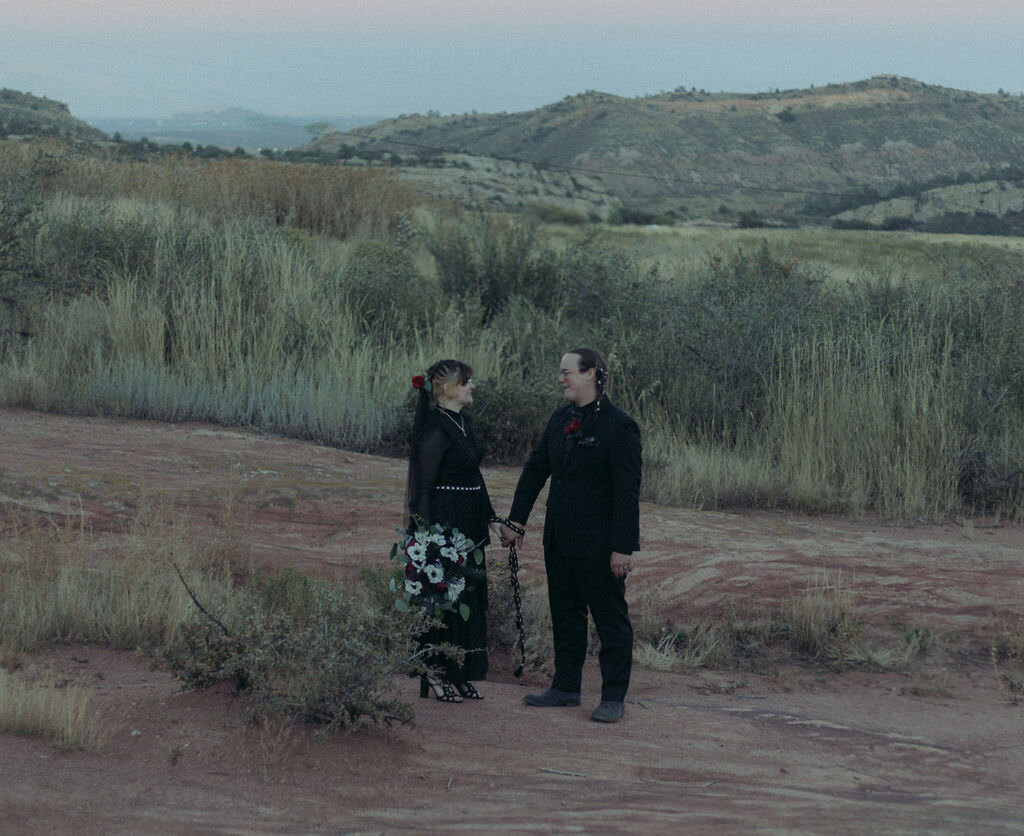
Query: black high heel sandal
[467, 690]
[442, 691]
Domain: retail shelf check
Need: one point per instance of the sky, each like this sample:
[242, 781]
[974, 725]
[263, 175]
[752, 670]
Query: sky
[110, 59]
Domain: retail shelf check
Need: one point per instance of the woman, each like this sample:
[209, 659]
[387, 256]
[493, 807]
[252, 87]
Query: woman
[446, 486]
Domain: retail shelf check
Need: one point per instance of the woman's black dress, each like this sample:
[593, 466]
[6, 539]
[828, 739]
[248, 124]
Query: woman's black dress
[446, 486]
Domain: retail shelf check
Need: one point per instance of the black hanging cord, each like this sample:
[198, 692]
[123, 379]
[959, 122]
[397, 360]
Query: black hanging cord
[513, 571]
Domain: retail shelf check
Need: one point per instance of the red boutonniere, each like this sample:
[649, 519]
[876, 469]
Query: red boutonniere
[573, 428]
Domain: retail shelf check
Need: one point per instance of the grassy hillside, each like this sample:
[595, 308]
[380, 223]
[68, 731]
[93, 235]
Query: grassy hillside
[784, 155]
[22, 114]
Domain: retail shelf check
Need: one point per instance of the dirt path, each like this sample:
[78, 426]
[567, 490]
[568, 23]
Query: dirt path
[729, 751]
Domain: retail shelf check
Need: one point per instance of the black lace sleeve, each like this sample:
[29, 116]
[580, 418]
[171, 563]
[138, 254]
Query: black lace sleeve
[423, 468]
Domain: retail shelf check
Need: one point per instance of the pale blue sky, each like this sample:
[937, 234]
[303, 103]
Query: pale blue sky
[121, 58]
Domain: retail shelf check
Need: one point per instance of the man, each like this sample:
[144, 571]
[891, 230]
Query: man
[591, 451]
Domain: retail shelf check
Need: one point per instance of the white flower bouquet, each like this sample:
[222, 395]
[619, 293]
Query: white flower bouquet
[435, 561]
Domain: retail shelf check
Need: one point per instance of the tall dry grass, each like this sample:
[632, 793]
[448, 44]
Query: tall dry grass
[758, 380]
[38, 703]
[58, 584]
[335, 200]
[880, 431]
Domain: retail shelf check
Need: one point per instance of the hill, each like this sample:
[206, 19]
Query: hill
[792, 154]
[22, 114]
[228, 128]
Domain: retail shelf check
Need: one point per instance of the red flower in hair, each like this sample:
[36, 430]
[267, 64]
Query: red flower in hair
[418, 381]
[573, 428]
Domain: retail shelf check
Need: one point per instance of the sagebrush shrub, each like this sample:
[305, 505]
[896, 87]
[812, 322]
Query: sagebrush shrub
[308, 649]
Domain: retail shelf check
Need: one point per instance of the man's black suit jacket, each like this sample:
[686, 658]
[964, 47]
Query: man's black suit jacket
[593, 505]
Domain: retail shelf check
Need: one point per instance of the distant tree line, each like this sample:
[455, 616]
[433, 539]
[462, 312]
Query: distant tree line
[826, 205]
[963, 223]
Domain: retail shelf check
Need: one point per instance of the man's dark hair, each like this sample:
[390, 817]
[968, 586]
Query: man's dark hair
[590, 358]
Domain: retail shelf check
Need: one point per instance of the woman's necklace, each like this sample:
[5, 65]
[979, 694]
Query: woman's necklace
[460, 424]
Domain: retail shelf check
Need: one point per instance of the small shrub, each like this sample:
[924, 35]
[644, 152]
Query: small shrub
[307, 649]
[1006, 653]
[822, 621]
[488, 258]
[384, 285]
[897, 223]
[549, 214]
[661, 654]
[623, 215]
[750, 220]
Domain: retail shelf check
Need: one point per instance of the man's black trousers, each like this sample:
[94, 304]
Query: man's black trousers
[576, 585]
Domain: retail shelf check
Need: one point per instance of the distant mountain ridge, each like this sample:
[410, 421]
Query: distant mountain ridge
[888, 152]
[792, 153]
[229, 128]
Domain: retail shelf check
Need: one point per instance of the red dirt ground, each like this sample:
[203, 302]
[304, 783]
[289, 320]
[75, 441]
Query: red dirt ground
[792, 750]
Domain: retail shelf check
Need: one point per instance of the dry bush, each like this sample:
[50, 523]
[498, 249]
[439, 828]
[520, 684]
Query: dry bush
[39, 703]
[823, 623]
[661, 654]
[306, 649]
[647, 612]
[1006, 653]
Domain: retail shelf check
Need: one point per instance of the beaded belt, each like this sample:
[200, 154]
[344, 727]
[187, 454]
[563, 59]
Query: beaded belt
[456, 487]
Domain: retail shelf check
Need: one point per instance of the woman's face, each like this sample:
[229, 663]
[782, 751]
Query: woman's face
[458, 395]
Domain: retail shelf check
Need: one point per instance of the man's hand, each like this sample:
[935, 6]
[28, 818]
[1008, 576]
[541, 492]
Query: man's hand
[508, 536]
[622, 564]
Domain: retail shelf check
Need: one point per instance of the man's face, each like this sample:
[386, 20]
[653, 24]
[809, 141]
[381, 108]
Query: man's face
[577, 386]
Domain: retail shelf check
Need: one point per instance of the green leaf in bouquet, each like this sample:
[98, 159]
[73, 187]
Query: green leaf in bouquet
[401, 605]
[464, 612]
[478, 556]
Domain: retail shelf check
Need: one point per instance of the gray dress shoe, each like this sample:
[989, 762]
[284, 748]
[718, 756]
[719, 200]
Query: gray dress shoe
[608, 712]
[553, 697]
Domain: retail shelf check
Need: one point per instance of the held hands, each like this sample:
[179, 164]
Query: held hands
[508, 536]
